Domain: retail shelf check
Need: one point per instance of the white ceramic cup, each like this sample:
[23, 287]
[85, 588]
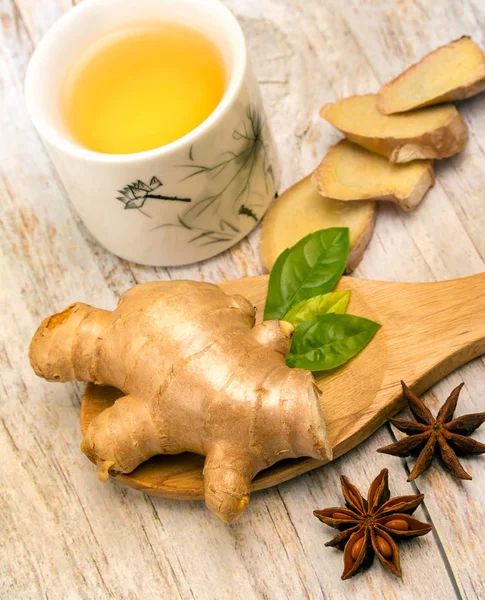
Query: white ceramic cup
[179, 203]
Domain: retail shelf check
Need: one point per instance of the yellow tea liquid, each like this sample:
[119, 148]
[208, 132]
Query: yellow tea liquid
[143, 87]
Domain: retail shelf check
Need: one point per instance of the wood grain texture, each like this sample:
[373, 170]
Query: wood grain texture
[62, 534]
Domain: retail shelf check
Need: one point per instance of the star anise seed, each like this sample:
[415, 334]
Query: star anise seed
[368, 527]
[428, 436]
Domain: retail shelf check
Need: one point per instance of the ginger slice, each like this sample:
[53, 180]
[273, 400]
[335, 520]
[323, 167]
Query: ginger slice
[301, 209]
[434, 132]
[349, 172]
[451, 72]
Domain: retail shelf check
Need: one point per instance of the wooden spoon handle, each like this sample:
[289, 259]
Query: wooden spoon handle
[433, 328]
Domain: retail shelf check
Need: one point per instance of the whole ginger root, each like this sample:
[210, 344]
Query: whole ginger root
[198, 375]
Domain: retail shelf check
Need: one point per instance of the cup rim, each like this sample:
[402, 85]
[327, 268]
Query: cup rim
[52, 136]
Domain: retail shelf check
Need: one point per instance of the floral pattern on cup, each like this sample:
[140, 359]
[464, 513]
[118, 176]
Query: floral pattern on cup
[216, 218]
[136, 194]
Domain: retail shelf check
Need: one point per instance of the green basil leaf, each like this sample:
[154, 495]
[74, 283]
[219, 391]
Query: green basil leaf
[328, 341]
[333, 302]
[309, 268]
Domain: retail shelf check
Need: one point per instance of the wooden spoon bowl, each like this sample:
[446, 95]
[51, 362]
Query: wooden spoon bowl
[428, 330]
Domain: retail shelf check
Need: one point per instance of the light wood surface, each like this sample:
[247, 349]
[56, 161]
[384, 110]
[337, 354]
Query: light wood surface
[427, 332]
[63, 535]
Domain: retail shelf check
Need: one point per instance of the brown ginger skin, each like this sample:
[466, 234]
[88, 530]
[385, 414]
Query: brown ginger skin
[198, 375]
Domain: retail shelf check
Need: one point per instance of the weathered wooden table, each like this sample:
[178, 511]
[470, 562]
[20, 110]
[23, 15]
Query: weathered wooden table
[63, 534]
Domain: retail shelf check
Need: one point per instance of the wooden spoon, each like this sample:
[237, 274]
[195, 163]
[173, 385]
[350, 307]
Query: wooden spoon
[429, 329]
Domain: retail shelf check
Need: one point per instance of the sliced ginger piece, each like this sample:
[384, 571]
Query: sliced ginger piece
[451, 72]
[349, 172]
[434, 132]
[301, 210]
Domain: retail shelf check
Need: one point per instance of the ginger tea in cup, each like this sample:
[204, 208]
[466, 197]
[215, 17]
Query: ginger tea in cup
[154, 120]
[142, 87]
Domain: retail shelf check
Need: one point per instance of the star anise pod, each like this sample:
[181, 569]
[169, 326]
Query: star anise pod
[368, 527]
[428, 436]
